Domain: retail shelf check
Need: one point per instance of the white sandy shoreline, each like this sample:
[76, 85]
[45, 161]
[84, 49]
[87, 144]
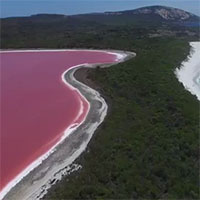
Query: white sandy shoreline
[33, 192]
[189, 72]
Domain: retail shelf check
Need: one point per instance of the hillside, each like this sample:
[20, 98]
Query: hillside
[152, 15]
[61, 31]
[163, 12]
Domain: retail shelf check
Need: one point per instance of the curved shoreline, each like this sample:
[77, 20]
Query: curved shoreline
[56, 162]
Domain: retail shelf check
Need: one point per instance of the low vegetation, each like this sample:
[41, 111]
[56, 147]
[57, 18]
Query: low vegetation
[148, 146]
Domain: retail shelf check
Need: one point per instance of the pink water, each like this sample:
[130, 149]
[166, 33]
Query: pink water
[36, 106]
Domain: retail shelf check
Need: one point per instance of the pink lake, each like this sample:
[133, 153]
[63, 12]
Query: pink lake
[36, 105]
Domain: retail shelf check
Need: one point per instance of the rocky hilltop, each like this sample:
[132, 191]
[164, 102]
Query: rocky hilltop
[166, 13]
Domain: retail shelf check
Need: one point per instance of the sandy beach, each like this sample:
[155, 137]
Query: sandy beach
[59, 160]
[189, 72]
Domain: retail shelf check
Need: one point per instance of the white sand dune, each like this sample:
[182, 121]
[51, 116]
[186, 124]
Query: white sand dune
[189, 72]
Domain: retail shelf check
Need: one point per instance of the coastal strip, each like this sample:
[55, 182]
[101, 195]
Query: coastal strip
[35, 181]
[189, 72]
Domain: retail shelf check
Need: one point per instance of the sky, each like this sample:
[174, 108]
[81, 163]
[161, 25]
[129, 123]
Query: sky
[10, 8]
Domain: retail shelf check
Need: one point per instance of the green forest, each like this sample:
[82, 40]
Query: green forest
[148, 146]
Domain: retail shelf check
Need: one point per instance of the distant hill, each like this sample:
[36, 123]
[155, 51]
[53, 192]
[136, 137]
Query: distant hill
[163, 12]
[62, 31]
[151, 15]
